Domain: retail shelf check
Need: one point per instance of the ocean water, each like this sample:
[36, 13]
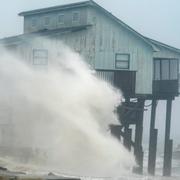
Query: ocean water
[34, 171]
[159, 165]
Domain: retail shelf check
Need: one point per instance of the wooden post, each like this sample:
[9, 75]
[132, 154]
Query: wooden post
[138, 150]
[115, 131]
[152, 152]
[168, 143]
[152, 141]
[127, 137]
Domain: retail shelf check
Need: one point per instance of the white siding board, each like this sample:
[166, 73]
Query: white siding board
[116, 39]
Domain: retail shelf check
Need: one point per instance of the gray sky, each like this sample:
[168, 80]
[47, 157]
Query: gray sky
[157, 19]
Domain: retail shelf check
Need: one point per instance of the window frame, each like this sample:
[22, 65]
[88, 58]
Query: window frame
[39, 57]
[170, 73]
[169, 69]
[128, 61]
[58, 19]
[165, 69]
[157, 70]
[74, 21]
[33, 22]
[44, 20]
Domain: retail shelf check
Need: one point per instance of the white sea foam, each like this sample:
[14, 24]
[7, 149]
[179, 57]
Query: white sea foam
[59, 117]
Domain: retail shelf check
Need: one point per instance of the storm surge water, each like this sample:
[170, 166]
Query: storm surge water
[56, 118]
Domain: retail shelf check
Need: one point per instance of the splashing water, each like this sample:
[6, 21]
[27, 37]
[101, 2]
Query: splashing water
[58, 118]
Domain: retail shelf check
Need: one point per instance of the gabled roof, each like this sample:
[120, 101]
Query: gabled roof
[157, 43]
[90, 3]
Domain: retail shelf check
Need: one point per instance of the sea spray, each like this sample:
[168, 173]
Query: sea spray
[58, 115]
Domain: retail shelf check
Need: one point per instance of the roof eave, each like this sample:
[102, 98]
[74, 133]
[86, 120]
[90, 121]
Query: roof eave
[164, 45]
[19, 38]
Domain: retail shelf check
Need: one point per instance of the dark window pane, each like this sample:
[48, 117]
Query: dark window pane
[164, 69]
[173, 69]
[157, 75]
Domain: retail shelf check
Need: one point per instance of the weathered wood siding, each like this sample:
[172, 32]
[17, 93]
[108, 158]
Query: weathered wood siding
[100, 43]
[82, 42]
[54, 24]
[112, 38]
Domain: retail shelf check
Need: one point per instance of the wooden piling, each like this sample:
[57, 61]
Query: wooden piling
[152, 152]
[152, 140]
[168, 143]
[115, 131]
[138, 150]
[168, 159]
[127, 138]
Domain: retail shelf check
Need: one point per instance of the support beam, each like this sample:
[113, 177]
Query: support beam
[152, 140]
[153, 114]
[116, 131]
[168, 143]
[152, 152]
[127, 138]
[138, 150]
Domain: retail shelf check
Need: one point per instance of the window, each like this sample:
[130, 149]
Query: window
[34, 22]
[174, 69]
[75, 17]
[40, 57]
[157, 73]
[166, 69]
[122, 61]
[61, 19]
[46, 21]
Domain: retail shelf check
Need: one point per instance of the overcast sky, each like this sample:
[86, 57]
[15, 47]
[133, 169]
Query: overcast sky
[157, 19]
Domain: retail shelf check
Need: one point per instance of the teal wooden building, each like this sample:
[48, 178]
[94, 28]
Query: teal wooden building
[144, 69]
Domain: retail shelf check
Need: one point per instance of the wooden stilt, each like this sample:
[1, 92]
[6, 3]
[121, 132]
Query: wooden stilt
[152, 141]
[115, 131]
[168, 143]
[138, 150]
[152, 152]
[127, 138]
